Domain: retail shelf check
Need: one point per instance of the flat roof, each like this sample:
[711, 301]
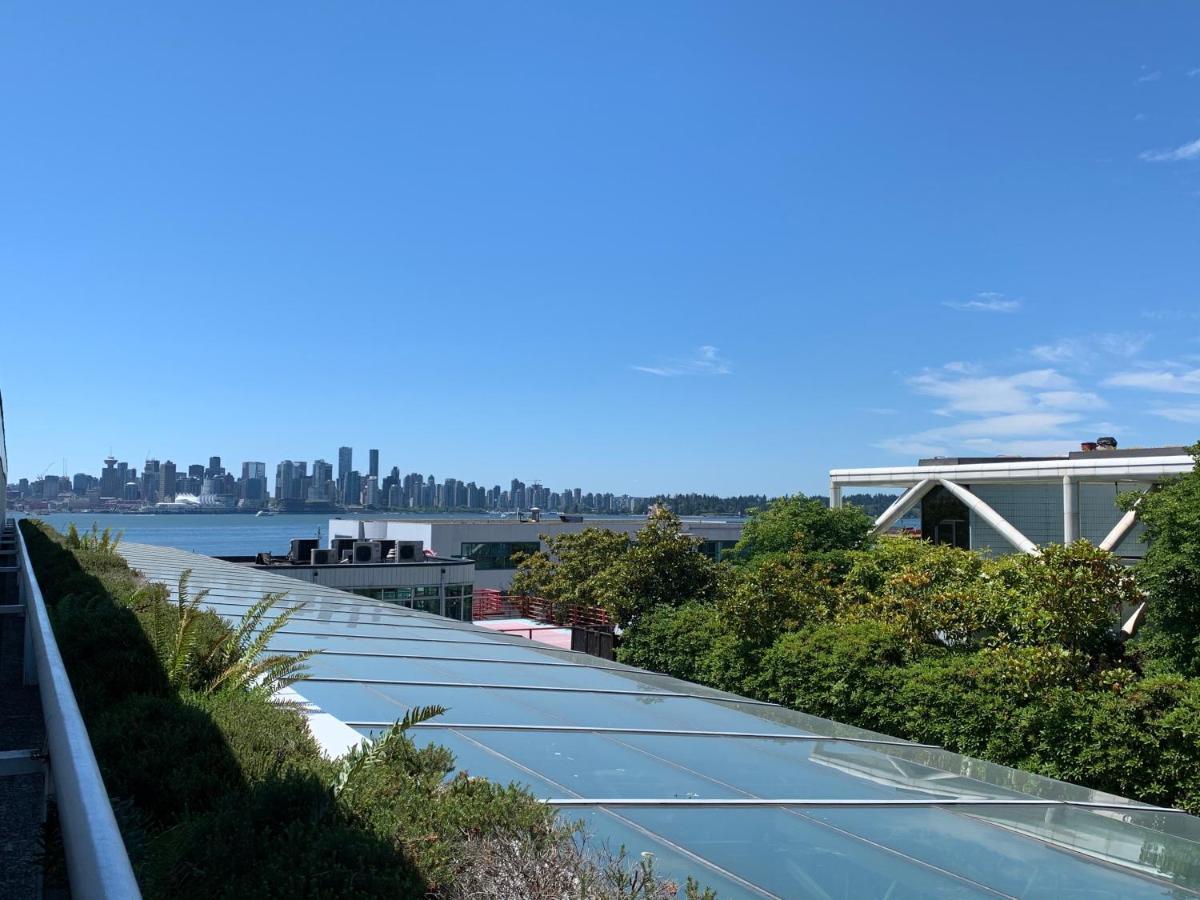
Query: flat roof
[1100, 466]
[750, 798]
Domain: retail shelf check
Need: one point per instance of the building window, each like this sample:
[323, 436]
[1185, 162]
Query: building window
[717, 549]
[497, 554]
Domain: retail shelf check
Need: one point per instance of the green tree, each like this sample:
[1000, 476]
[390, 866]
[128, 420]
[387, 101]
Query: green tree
[663, 566]
[1170, 572]
[572, 570]
[780, 594]
[804, 525]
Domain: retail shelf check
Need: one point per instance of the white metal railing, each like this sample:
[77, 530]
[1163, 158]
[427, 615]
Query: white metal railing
[97, 864]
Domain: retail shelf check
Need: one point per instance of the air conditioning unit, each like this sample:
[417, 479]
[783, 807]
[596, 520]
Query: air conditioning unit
[410, 551]
[301, 548]
[323, 557]
[367, 552]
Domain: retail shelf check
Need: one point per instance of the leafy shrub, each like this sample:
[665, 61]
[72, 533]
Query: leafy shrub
[846, 672]
[1170, 573]
[221, 793]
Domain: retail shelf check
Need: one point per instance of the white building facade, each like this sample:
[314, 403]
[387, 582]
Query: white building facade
[1006, 504]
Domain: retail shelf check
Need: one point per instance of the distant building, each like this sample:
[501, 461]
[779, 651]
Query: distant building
[110, 483]
[1000, 504]
[345, 464]
[373, 464]
[166, 481]
[493, 543]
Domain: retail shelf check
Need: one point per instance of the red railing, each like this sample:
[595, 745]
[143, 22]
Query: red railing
[492, 604]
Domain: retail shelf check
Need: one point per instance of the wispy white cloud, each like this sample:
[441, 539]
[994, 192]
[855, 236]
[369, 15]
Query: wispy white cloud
[986, 302]
[1179, 154]
[1031, 412]
[706, 361]
[1188, 415]
[1146, 77]
[1165, 379]
[1022, 392]
[1083, 352]
[1194, 73]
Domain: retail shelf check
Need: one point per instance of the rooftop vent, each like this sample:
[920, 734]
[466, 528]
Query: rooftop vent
[1106, 443]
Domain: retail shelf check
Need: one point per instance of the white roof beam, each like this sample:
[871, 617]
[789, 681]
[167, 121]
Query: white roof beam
[1123, 526]
[993, 518]
[903, 504]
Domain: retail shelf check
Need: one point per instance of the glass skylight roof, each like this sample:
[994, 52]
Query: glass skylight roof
[751, 799]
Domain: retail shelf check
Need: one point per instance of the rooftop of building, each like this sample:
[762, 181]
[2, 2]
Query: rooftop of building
[753, 799]
[1098, 454]
[546, 519]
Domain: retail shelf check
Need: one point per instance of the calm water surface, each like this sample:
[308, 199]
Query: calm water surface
[219, 534]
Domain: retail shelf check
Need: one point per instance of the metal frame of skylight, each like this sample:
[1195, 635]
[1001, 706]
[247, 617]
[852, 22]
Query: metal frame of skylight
[665, 732]
[554, 689]
[839, 803]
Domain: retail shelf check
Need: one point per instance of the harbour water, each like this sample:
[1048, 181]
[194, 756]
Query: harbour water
[213, 534]
[220, 534]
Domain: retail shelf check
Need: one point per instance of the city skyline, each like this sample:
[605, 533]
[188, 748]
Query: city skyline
[659, 248]
[310, 482]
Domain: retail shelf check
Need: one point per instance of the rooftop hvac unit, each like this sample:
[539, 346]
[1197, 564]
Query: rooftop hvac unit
[367, 552]
[343, 544]
[410, 551]
[301, 548]
[323, 557]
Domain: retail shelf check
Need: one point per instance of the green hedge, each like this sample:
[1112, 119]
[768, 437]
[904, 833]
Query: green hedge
[227, 795]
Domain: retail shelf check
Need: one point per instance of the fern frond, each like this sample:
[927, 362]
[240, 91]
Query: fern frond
[370, 752]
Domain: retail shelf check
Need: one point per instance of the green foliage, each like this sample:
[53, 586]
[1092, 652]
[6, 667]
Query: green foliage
[370, 753]
[221, 793]
[845, 672]
[679, 641]
[596, 567]
[804, 525]
[779, 594]
[1015, 660]
[95, 541]
[664, 566]
[571, 572]
[1170, 573]
[240, 662]
[1069, 596]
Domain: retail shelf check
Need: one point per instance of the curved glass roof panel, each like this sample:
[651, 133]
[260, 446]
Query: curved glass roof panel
[751, 799]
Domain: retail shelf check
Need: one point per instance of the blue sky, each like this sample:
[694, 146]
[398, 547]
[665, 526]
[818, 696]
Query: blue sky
[630, 246]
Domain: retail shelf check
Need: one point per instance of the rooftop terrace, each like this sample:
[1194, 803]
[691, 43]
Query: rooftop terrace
[752, 799]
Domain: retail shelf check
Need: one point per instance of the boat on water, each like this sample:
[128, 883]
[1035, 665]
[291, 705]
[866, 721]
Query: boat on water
[264, 512]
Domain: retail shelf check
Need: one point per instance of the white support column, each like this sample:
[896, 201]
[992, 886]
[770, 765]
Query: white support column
[906, 501]
[1070, 510]
[835, 495]
[993, 518]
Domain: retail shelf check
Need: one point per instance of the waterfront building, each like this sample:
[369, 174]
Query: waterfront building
[110, 485]
[494, 543]
[1002, 504]
[166, 480]
[345, 463]
[399, 573]
[373, 464]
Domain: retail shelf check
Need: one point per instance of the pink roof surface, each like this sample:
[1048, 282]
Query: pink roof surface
[528, 628]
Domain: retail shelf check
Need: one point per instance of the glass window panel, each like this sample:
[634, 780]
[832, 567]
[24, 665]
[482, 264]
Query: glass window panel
[1008, 862]
[497, 554]
[795, 857]
[479, 673]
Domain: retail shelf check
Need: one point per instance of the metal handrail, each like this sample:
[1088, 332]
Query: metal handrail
[97, 863]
